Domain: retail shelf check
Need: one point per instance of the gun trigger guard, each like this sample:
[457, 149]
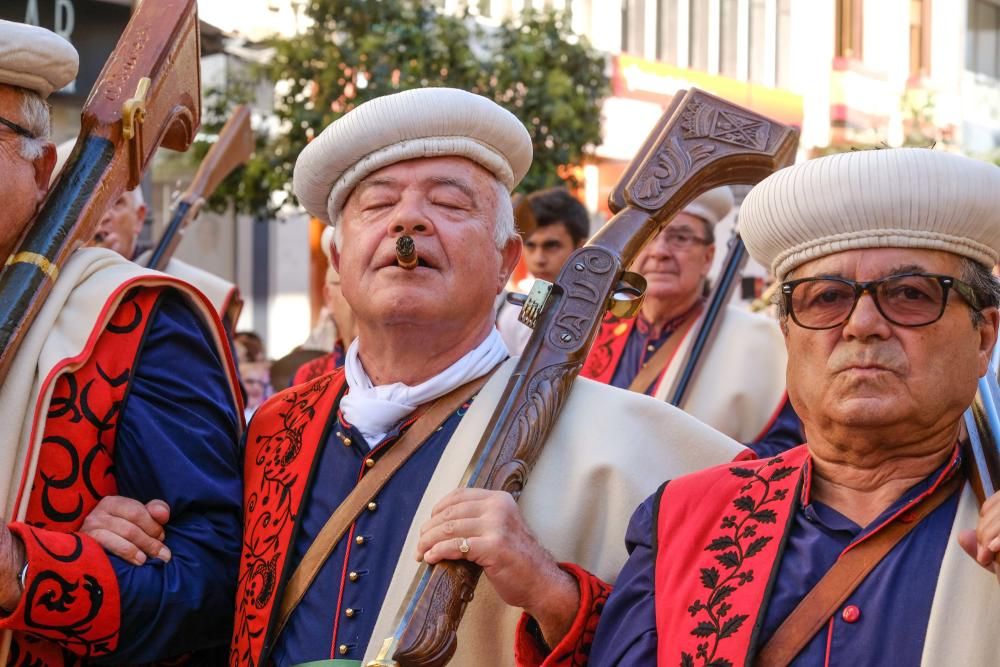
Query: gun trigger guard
[627, 298]
[133, 116]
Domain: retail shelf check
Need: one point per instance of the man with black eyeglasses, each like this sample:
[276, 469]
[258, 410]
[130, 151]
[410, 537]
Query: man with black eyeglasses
[740, 389]
[865, 546]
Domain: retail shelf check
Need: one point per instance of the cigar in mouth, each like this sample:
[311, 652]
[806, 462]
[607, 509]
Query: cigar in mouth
[406, 253]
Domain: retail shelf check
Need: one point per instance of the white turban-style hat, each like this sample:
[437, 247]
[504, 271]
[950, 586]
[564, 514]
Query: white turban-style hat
[712, 206]
[35, 58]
[424, 122]
[887, 198]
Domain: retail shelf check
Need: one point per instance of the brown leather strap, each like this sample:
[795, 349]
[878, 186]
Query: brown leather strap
[371, 483]
[819, 604]
[658, 362]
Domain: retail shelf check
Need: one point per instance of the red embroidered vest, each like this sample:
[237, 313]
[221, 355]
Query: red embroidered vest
[719, 539]
[71, 587]
[281, 447]
[608, 349]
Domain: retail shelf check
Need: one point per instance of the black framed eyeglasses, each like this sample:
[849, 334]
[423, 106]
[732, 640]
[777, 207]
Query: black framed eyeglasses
[906, 299]
[20, 131]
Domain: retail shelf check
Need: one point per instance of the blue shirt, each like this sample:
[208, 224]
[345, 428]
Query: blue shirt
[783, 433]
[177, 441]
[342, 604]
[894, 601]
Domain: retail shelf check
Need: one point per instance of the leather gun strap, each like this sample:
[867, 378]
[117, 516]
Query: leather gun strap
[371, 483]
[819, 604]
[653, 368]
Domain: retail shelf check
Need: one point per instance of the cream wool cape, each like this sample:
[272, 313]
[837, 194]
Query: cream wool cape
[610, 449]
[741, 384]
[220, 292]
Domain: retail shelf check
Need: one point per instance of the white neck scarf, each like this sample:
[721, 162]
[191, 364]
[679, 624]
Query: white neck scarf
[375, 410]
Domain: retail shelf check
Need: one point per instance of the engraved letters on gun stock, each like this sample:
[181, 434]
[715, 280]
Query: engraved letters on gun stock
[113, 86]
[702, 124]
[592, 270]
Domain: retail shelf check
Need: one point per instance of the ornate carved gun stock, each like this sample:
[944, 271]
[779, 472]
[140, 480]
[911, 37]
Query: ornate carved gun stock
[148, 94]
[232, 149]
[702, 142]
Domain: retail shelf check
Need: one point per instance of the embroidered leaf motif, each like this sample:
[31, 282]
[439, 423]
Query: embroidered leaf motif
[724, 609]
[721, 543]
[720, 594]
[709, 577]
[765, 516]
[732, 625]
[720, 662]
[686, 660]
[781, 473]
[742, 472]
[730, 559]
[745, 503]
[756, 546]
[704, 629]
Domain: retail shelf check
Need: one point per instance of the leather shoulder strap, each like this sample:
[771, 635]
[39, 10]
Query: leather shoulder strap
[371, 483]
[658, 362]
[819, 604]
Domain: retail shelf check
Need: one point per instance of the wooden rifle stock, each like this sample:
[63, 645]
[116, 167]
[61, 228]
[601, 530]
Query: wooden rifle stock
[232, 149]
[147, 95]
[702, 142]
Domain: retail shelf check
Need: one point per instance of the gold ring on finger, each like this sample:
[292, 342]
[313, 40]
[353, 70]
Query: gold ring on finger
[463, 546]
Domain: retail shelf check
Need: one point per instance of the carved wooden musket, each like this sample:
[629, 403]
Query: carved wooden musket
[147, 95]
[701, 142]
[232, 149]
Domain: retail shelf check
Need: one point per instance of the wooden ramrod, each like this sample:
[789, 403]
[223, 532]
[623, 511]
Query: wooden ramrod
[700, 143]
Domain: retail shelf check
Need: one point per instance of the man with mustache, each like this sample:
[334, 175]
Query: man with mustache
[120, 407]
[740, 389]
[865, 545]
[436, 165]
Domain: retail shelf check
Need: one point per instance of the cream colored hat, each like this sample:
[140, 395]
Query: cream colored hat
[889, 198]
[712, 206]
[425, 122]
[35, 58]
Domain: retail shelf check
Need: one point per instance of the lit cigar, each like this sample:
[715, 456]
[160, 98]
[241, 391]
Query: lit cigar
[406, 253]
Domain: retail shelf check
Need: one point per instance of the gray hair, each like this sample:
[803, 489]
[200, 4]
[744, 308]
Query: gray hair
[504, 229]
[979, 277]
[36, 120]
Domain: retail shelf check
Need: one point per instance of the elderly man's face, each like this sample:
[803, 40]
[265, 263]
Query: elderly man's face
[24, 182]
[448, 205]
[676, 262]
[120, 226]
[870, 378]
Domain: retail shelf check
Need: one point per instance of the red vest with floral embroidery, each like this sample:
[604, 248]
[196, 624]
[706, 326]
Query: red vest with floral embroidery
[281, 446]
[719, 539]
[79, 598]
[608, 349]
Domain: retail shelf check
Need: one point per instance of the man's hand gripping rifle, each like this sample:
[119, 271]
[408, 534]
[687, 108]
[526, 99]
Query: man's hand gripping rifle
[701, 142]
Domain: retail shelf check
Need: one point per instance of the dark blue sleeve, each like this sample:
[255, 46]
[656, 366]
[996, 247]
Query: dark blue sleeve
[626, 634]
[783, 434]
[177, 441]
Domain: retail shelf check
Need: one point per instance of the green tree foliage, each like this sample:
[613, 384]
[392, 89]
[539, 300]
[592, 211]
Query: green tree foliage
[356, 50]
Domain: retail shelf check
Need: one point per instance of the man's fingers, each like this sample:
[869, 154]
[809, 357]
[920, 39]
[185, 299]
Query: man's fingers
[135, 513]
[150, 546]
[159, 510]
[451, 549]
[118, 546]
[967, 540]
[461, 496]
[448, 531]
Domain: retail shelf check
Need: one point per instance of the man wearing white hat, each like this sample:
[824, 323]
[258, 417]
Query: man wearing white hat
[435, 165]
[866, 545]
[740, 387]
[119, 406]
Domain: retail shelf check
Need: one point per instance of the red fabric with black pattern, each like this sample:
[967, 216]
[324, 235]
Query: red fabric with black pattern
[71, 604]
[717, 551]
[574, 649]
[608, 349]
[314, 368]
[281, 447]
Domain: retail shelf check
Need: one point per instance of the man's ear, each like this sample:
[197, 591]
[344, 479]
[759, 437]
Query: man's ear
[987, 337]
[44, 164]
[140, 217]
[509, 257]
[334, 256]
[709, 256]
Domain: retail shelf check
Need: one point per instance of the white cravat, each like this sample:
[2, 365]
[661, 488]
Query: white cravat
[375, 410]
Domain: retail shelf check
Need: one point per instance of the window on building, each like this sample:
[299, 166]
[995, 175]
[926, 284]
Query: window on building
[698, 51]
[633, 31]
[849, 24]
[783, 59]
[758, 41]
[728, 36]
[666, 36]
[983, 44]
